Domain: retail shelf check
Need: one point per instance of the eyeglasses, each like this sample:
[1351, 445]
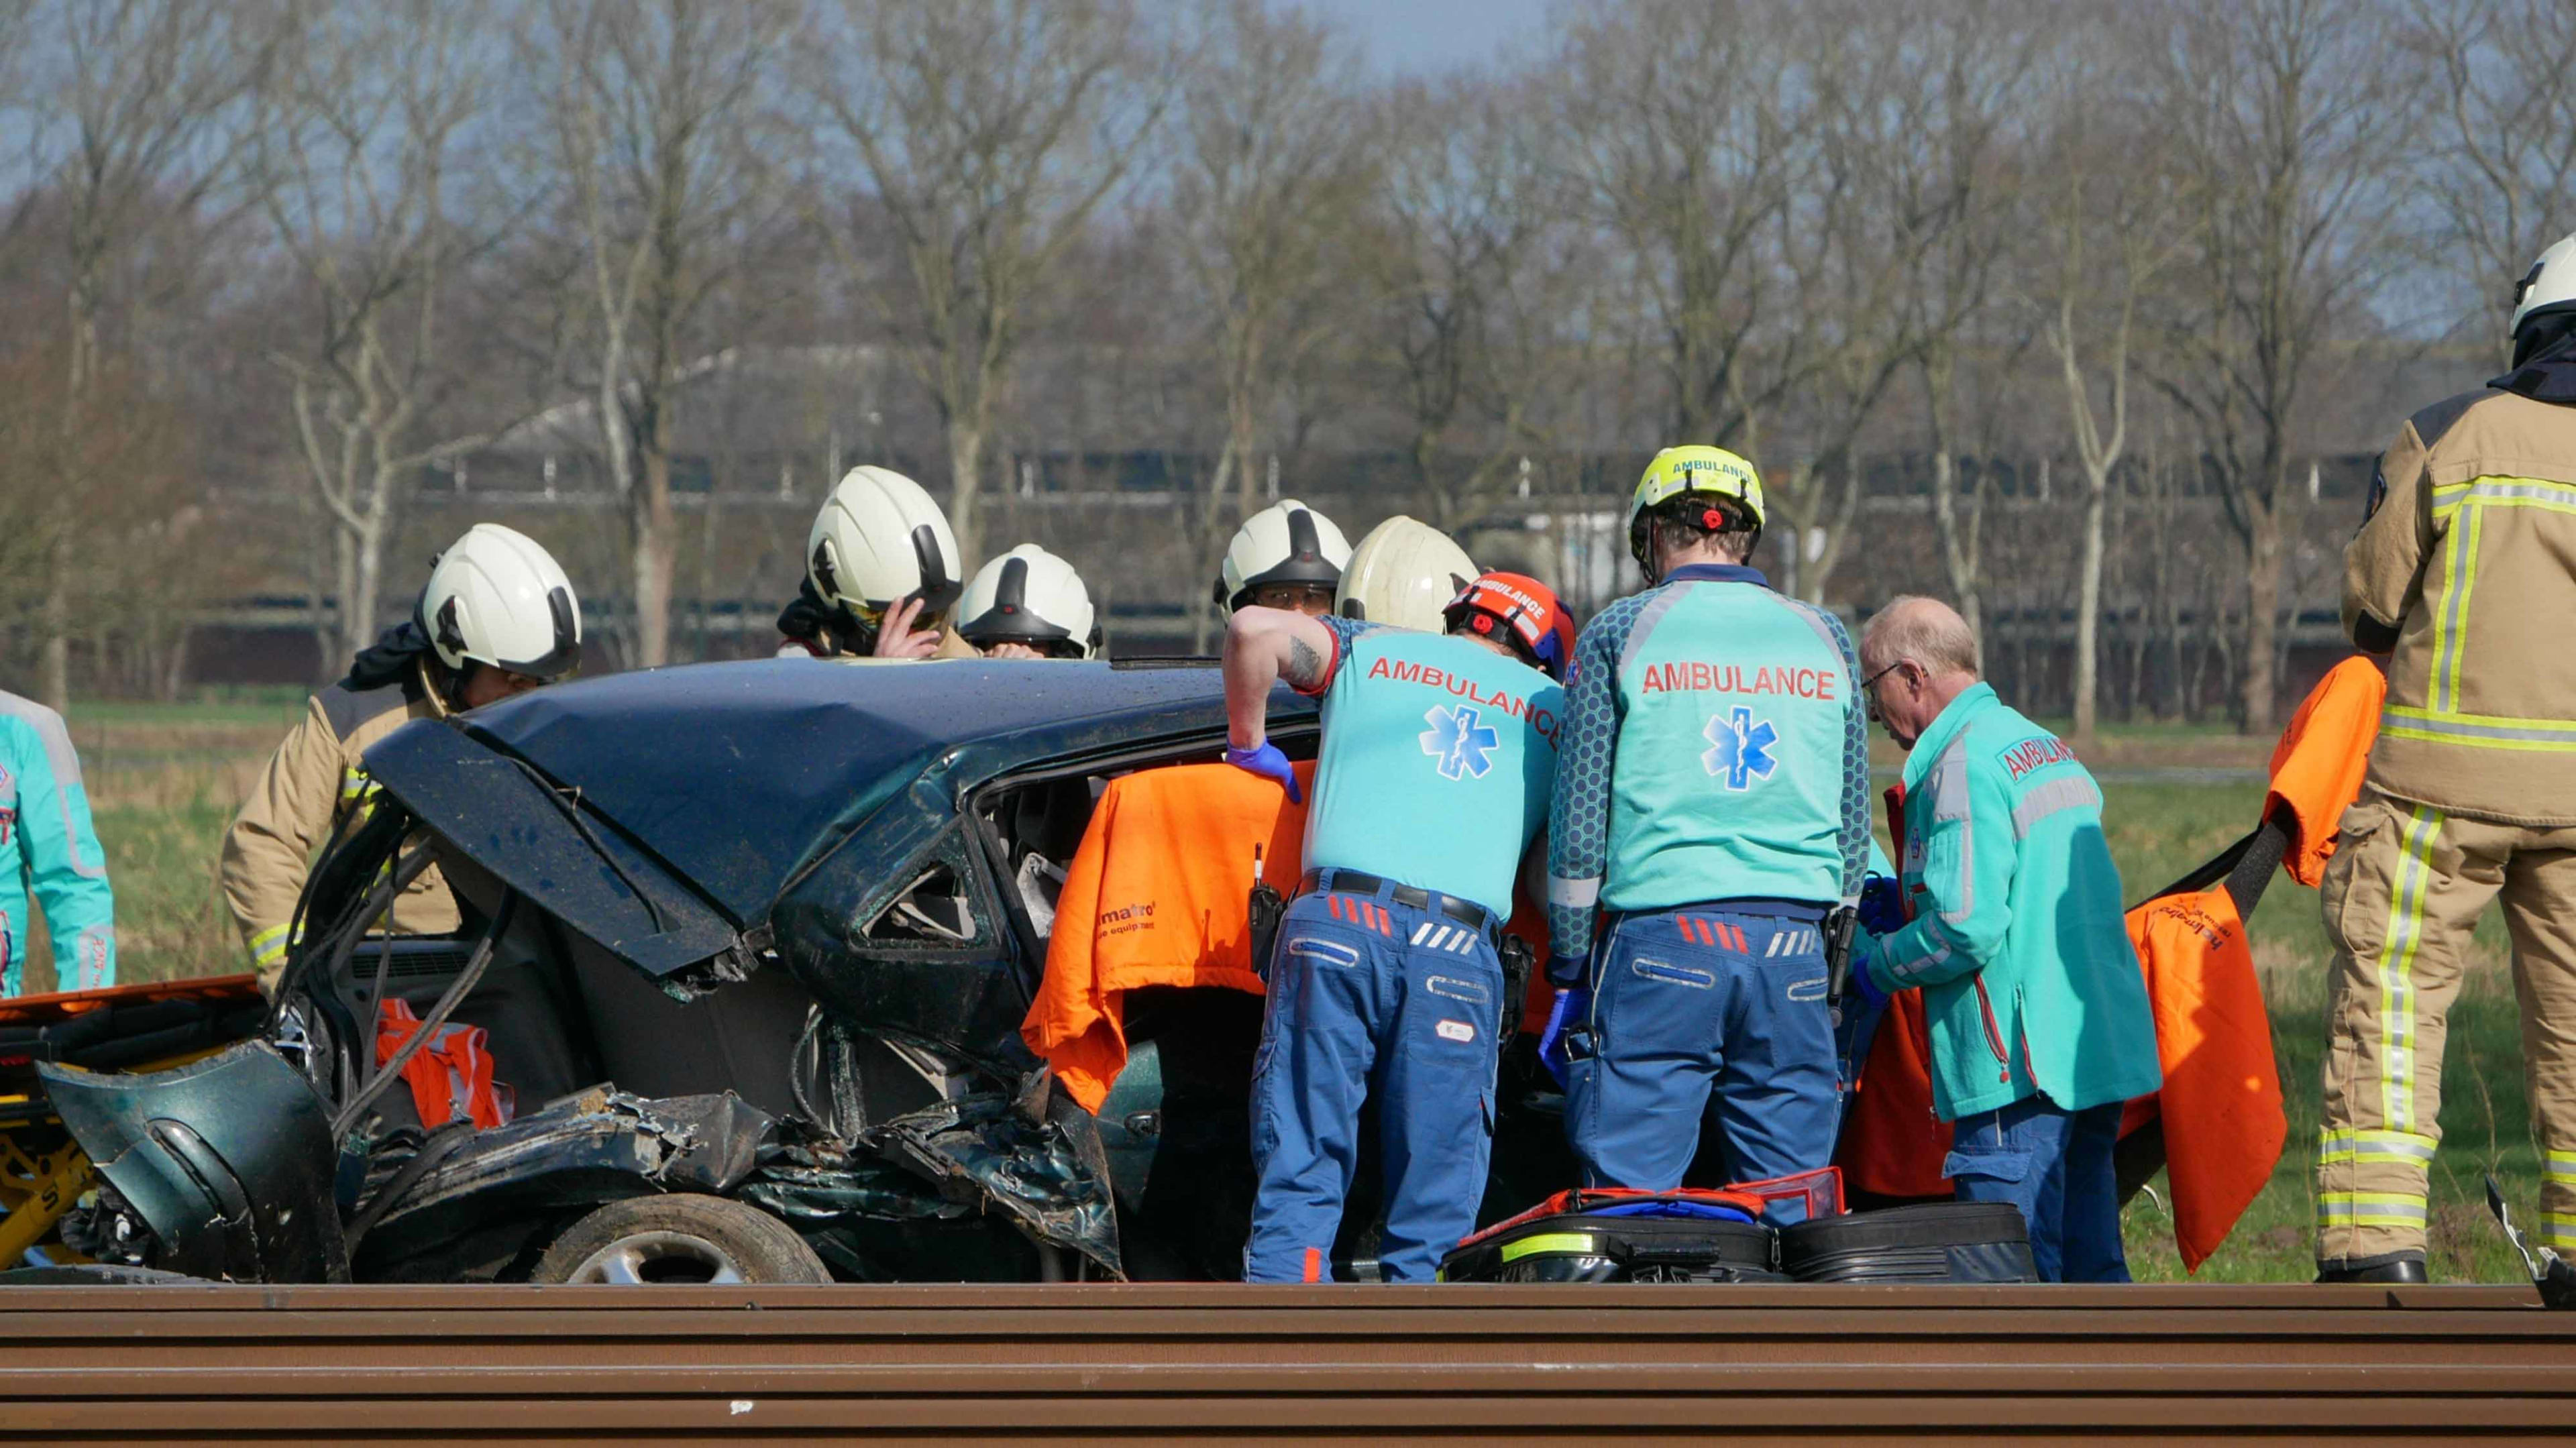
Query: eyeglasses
[1869, 690]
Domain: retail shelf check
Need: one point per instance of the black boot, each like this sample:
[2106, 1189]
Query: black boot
[2395, 1267]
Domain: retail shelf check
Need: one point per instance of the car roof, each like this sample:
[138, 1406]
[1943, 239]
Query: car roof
[735, 774]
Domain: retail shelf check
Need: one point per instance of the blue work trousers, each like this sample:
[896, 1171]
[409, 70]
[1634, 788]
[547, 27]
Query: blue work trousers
[1369, 998]
[1696, 1010]
[2056, 1166]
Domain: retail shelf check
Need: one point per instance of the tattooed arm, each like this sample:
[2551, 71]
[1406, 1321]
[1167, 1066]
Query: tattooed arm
[1264, 646]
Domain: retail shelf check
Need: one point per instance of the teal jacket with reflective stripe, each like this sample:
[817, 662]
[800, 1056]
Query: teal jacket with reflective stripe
[49, 849]
[2015, 931]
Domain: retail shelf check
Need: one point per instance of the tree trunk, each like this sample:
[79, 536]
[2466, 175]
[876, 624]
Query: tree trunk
[2088, 610]
[1958, 544]
[1211, 538]
[965, 475]
[58, 624]
[2262, 614]
[656, 556]
[367, 571]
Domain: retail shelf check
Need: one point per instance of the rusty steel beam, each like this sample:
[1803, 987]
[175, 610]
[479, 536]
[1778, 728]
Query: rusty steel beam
[566, 1364]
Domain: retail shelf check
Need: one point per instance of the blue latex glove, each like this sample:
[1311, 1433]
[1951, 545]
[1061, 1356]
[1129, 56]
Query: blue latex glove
[1571, 1008]
[1865, 985]
[1882, 905]
[1269, 763]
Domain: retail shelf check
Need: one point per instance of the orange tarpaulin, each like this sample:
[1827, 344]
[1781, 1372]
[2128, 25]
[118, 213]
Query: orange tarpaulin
[1892, 1145]
[2318, 765]
[1158, 894]
[2221, 1098]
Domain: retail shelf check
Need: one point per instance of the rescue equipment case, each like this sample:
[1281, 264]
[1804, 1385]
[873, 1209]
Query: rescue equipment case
[1622, 1235]
[1927, 1242]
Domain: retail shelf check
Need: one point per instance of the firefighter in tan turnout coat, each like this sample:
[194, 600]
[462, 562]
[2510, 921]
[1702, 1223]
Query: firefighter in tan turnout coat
[497, 617]
[2464, 576]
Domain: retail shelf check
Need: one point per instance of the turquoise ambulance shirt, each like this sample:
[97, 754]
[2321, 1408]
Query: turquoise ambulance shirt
[1436, 761]
[1716, 748]
[49, 853]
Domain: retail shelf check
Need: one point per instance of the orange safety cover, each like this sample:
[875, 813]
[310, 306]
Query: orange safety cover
[1892, 1145]
[2221, 1100]
[1158, 894]
[2318, 765]
[450, 1073]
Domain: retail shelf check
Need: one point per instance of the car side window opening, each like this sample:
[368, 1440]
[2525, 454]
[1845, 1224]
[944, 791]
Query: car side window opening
[934, 909]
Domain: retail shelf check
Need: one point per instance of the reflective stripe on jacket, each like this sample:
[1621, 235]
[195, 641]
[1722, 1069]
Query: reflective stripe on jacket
[313, 791]
[2462, 573]
[2016, 936]
[49, 851]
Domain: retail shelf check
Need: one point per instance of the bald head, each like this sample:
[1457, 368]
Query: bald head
[1918, 655]
[1922, 631]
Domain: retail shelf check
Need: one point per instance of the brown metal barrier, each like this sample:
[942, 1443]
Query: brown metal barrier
[1051, 1364]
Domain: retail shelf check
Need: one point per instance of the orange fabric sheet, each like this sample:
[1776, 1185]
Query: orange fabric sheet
[1892, 1145]
[2318, 765]
[1159, 894]
[2221, 1099]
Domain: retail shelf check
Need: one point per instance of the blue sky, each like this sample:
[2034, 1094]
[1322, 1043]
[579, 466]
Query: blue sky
[1424, 37]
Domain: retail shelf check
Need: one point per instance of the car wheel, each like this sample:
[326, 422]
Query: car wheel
[684, 1239]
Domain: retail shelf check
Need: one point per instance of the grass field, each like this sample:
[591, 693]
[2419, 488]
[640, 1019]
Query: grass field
[164, 781]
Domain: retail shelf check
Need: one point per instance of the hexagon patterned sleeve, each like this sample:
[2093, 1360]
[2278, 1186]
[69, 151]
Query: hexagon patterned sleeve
[1578, 826]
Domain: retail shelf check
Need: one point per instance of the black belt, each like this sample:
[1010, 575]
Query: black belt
[1353, 882]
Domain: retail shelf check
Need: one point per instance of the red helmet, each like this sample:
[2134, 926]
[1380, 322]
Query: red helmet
[1526, 613]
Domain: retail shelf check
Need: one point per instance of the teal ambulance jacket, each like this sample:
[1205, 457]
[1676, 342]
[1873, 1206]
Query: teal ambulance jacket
[49, 848]
[2016, 934]
[1716, 748]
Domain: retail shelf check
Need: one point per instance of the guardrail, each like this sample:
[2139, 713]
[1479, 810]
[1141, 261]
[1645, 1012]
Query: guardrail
[1043, 1364]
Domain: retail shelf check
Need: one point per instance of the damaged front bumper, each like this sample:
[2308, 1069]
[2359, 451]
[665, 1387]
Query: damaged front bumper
[229, 1164]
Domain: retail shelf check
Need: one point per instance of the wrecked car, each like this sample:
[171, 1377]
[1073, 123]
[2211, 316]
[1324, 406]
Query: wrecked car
[750, 944]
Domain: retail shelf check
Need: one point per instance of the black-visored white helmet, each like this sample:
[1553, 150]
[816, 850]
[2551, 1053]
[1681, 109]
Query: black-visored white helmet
[1286, 542]
[2547, 290]
[498, 598]
[1031, 597]
[879, 540]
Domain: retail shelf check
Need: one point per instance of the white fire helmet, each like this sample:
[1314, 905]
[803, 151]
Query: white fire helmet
[498, 598]
[880, 540]
[1404, 573]
[1029, 596]
[2548, 288]
[1286, 542]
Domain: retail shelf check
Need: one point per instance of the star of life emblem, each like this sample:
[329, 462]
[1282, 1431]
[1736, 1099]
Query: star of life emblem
[1740, 748]
[1464, 746]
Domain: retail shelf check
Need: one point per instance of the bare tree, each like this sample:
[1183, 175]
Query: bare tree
[1471, 298]
[989, 132]
[142, 93]
[2289, 120]
[1269, 171]
[649, 140]
[2112, 221]
[2503, 177]
[1960, 70]
[364, 122]
[1680, 126]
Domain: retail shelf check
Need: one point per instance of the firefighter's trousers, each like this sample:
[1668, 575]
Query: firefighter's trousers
[2401, 897]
